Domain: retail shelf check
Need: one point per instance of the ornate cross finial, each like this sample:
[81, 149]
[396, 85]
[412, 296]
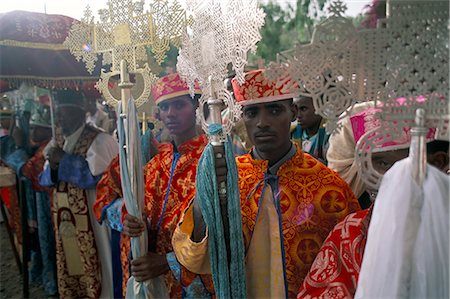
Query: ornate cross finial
[125, 29]
[222, 34]
[337, 8]
[406, 56]
[123, 33]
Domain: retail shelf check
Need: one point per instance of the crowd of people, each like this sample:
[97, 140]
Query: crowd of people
[305, 209]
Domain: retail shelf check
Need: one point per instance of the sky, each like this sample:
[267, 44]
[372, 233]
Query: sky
[75, 8]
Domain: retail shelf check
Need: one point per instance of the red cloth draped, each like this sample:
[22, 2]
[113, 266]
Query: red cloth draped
[335, 271]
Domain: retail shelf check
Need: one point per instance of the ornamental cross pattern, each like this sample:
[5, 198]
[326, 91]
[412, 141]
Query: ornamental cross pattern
[124, 31]
[405, 56]
[221, 34]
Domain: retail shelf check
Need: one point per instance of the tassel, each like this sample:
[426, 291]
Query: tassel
[228, 276]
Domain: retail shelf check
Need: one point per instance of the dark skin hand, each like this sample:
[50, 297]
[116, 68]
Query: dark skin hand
[55, 154]
[150, 265]
[133, 226]
[221, 164]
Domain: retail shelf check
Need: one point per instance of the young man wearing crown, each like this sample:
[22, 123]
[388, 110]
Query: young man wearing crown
[289, 200]
[74, 165]
[169, 186]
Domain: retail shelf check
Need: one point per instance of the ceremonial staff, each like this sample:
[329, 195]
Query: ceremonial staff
[222, 34]
[122, 36]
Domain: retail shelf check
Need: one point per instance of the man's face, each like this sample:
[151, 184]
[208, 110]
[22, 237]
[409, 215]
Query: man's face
[383, 161]
[306, 116]
[40, 134]
[268, 125]
[178, 114]
[70, 119]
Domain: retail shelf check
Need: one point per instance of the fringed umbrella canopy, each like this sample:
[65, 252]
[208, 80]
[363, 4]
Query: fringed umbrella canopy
[32, 51]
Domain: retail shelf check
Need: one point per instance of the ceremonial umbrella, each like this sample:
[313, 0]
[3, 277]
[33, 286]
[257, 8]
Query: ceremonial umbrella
[32, 51]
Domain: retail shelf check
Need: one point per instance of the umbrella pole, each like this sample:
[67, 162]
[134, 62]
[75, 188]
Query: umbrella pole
[24, 227]
[52, 115]
[125, 91]
[125, 85]
[11, 236]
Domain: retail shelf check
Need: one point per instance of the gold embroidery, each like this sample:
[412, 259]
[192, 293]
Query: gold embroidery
[82, 222]
[62, 199]
[79, 270]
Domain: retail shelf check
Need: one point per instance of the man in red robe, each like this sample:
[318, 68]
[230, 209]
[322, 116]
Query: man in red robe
[108, 206]
[169, 182]
[289, 200]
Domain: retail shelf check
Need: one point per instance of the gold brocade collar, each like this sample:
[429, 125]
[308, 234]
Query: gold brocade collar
[191, 144]
[263, 165]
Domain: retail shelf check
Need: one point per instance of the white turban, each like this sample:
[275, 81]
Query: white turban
[341, 153]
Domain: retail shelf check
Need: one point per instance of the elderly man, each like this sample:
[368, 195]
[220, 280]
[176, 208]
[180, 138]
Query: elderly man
[289, 200]
[75, 165]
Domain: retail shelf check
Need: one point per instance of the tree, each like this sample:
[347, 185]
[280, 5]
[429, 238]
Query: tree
[284, 28]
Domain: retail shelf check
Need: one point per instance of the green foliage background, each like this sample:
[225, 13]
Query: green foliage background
[284, 27]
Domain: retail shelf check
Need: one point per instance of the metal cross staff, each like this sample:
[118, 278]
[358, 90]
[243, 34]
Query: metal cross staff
[122, 36]
[405, 55]
[222, 34]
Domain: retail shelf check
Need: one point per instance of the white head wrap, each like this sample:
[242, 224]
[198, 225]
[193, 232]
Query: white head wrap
[341, 153]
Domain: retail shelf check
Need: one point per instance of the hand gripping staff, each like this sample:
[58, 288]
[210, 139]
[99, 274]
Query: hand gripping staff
[222, 33]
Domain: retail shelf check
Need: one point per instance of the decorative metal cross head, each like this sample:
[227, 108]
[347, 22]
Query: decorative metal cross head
[221, 34]
[123, 33]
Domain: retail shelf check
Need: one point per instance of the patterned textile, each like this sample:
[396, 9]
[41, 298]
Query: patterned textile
[79, 272]
[46, 242]
[258, 89]
[108, 190]
[169, 87]
[367, 120]
[33, 167]
[315, 145]
[335, 271]
[42, 256]
[312, 199]
[193, 285]
[32, 51]
[164, 205]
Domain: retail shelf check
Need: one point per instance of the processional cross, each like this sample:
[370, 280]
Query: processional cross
[401, 65]
[124, 32]
[221, 34]
[121, 37]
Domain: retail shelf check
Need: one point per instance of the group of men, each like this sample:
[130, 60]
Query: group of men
[290, 200]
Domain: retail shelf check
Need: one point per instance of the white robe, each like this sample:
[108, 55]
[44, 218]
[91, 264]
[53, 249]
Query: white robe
[407, 251]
